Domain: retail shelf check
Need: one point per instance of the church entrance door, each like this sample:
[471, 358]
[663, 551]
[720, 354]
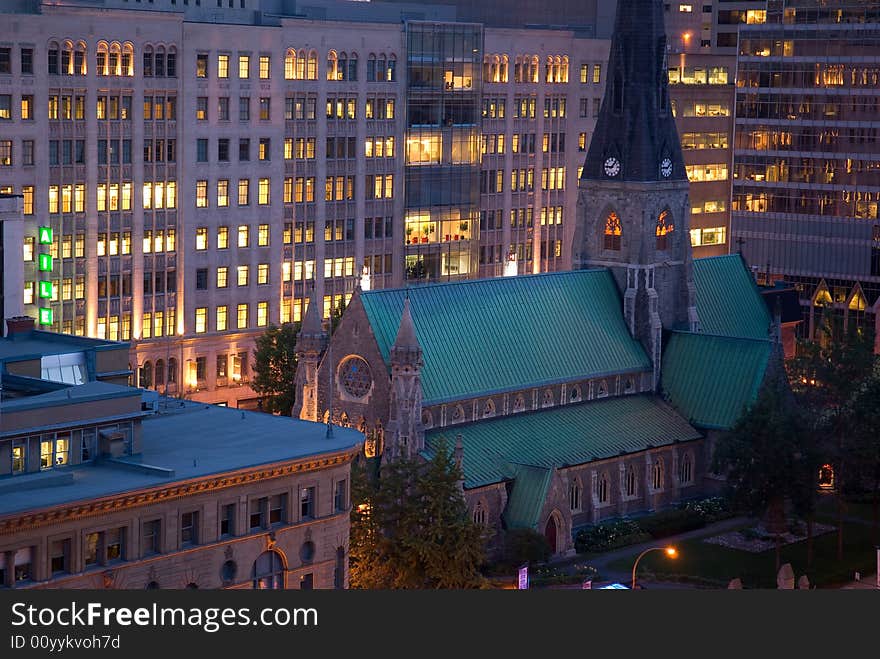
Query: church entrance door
[550, 534]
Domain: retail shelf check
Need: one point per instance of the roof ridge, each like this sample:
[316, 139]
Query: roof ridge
[483, 280]
[723, 336]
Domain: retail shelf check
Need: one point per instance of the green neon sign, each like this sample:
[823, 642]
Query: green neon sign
[45, 316]
[45, 235]
[45, 290]
[45, 263]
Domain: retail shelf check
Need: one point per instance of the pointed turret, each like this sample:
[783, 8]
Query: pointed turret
[635, 137]
[405, 435]
[311, 342]
[406, 333]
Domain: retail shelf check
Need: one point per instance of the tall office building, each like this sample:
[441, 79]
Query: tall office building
[806, 186]
[701, 86]
[202, 169]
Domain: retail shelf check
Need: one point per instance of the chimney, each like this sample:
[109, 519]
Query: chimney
[19, 327]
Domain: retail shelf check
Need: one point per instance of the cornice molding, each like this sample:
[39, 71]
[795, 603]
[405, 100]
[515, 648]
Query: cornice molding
[31, 520]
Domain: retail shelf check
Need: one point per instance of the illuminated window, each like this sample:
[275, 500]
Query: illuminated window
[221, 318]
[264, 67]
[201, 238]
[222, 237]
[262, 314]
[223, 66]
[242, 315]
[243, 191]
[244, 66]
[222, 192]
[243, 235]
[665, 227]
[242, 272]
[263, 273]
[201, 194]
[201, 320]
[222, 276]
[613, 232]
[263, 192]
[263, 235]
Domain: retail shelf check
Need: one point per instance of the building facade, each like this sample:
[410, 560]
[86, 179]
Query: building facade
[11, 270]
[105, 486]
[197, 192]
[805, 192]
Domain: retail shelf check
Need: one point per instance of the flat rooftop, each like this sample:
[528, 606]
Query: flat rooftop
[37, 343]
[187, 440]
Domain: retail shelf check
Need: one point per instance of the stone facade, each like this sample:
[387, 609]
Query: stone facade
[58, 537]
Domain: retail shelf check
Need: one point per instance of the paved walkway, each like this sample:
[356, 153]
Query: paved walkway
[607, 575]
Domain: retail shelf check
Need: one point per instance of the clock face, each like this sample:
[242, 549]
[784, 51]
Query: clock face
[666, 167]
[612, 167]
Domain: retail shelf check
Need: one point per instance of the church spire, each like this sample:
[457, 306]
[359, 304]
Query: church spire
[635, 137]
[406, 333]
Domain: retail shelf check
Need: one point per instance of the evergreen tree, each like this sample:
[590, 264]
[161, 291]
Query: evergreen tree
[410, 527]
[275, 368]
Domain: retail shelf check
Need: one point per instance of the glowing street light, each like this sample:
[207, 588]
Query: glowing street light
[670, 552]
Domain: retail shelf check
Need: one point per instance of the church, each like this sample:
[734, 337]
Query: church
[572, 397]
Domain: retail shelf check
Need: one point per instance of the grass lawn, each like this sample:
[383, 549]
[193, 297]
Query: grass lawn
[711, 564]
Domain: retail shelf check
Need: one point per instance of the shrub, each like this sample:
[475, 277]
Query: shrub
[671, 522]
[608, 535]
[525, 546]
[711, 509]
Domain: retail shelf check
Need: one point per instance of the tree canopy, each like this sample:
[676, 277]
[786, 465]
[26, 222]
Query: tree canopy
[410, 527]
[275, 368]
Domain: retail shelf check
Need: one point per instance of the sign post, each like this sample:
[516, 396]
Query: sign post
[523, 581]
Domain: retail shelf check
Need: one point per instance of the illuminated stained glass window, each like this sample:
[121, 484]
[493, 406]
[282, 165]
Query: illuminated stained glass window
[612, 232]
[664, 228]
[355, 377]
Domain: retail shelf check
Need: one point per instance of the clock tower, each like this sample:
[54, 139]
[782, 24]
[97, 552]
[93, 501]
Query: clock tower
[633, 210]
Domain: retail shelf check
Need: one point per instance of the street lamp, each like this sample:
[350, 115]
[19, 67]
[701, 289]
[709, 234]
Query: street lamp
[671, 552]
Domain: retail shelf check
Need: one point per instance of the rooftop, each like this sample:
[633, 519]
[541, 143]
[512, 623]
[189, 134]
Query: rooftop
[488, 336]
[562, 436]
[37, 343]
[728, 300]
[180, 443]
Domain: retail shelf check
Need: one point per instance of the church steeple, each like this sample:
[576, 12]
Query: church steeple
[635, 137]
[633, 207]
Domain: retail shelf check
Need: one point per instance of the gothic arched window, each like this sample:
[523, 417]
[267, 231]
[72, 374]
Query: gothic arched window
[630, 481]
[602, 488]
[657, 475]
[686, 470]
[664, 228]
[613, 232]
[574, 495]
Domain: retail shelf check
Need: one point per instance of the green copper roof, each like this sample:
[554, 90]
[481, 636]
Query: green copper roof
[560, 436]
[492, 335]
[728, 301]
[711, 379]
[527, 496]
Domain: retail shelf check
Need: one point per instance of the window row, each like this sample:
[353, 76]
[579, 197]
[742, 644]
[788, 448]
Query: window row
[264, 108]
[243, 189]
[243, 235]
[224, 322]
[62, 448]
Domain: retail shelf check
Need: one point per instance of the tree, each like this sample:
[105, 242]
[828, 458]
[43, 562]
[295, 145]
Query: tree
[765, 458]
[824, 376]
[863, 430]
[275, 368]
[410, 527]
